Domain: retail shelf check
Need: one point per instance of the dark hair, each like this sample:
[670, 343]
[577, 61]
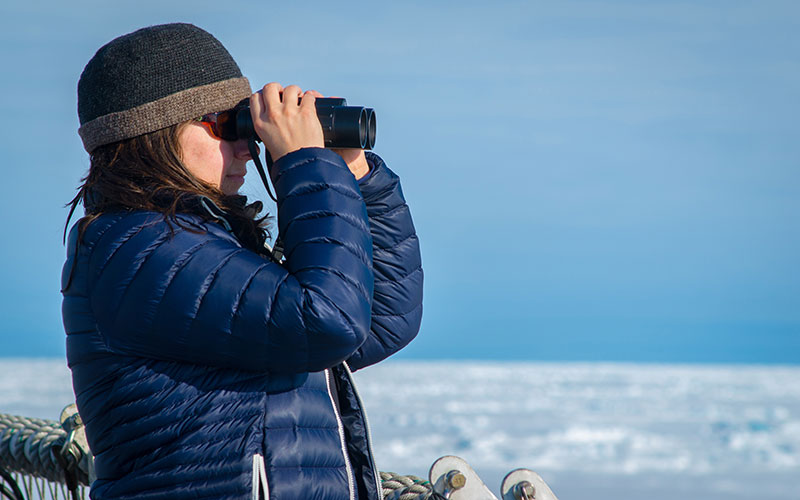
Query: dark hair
[146, 173]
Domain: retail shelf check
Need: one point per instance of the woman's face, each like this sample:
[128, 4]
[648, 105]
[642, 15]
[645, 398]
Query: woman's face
[219, 163]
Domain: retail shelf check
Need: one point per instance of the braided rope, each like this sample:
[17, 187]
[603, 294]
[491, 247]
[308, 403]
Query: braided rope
[399, 487]
[28, 446]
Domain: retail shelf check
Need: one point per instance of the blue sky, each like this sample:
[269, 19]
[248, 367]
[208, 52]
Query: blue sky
[591, 180]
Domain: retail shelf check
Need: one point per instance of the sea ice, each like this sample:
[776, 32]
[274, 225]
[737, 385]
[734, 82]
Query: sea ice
[616, 431]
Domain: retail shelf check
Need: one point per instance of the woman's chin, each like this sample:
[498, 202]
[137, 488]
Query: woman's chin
[232, 184]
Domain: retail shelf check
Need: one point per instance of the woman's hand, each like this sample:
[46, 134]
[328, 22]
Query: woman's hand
[282, 123]
[356, 161]
[355, 158]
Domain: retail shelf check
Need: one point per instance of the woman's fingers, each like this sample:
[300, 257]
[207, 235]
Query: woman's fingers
[271, 95]
[291, 95]
[307, 102]
[282, 124]
[256, 104]
[309, 98]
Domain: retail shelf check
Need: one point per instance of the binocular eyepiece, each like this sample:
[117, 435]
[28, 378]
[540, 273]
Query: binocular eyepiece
[343, 126]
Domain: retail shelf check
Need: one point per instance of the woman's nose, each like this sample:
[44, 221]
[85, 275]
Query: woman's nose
[242, 152]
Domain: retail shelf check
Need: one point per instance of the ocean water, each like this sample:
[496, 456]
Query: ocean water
[593, 431]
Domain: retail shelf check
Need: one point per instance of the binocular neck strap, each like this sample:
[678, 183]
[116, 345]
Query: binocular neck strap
[251, 145]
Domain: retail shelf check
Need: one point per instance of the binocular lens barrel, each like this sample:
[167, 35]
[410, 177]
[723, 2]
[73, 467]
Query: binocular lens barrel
[343, 126]
[372, 128]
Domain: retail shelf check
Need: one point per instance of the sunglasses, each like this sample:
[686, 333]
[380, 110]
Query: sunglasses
[222, 124]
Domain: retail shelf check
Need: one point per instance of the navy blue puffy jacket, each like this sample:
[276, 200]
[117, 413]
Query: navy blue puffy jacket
[203, 370]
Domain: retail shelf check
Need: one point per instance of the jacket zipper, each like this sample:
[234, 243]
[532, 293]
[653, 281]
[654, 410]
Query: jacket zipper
[366, 426]
[219, 215]
[340, 425]
[259, 478]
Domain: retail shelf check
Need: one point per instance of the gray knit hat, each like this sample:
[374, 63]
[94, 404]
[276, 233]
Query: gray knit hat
[153, 78]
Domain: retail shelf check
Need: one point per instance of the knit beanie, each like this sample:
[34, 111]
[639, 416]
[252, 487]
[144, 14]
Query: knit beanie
[154, 78]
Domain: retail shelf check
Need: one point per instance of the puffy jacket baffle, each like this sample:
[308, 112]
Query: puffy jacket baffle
[205, 370]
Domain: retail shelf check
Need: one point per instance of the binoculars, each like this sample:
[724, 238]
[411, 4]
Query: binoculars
[343, 126]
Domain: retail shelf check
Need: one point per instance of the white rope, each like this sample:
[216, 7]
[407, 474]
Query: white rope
[28, 448]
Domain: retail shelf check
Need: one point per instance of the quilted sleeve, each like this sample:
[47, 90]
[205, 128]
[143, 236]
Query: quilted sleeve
[397, 265]
[198, 297]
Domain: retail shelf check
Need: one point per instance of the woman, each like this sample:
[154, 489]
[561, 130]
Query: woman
[202, 367]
